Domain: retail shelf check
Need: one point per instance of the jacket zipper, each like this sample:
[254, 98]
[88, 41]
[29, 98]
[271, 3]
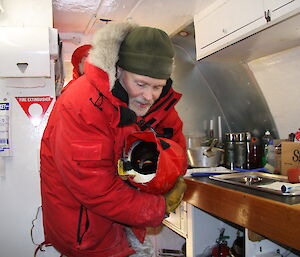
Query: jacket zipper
[87, 224]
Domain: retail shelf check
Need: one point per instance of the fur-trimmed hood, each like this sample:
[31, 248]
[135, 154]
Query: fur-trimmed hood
[105, 47]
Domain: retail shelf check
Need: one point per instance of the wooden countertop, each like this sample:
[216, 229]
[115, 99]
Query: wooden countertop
[273, 219]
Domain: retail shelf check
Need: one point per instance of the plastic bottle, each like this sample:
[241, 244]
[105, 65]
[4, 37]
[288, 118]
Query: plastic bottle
[267, 143]
[255, 153]
[271, 155]
[297, 136]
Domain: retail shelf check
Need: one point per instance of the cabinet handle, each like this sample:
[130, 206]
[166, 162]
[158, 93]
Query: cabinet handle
[267, 15]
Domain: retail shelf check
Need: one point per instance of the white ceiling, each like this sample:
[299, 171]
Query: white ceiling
[82, 16]
[77, 20]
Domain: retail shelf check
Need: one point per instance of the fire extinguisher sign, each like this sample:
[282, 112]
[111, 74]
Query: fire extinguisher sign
[35, 107]
[4, 126]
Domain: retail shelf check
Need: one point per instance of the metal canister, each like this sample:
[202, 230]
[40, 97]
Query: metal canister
[240, 150]
[229, 151]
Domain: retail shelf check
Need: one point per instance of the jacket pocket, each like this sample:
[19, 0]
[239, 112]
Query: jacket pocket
[92, 155]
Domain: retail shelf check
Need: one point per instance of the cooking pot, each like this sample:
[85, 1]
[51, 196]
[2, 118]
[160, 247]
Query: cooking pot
[193, 142]
[204, 156]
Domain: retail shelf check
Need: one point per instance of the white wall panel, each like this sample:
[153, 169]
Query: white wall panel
[20, 185]
[278, 77]
[19, 180]
[20, 13]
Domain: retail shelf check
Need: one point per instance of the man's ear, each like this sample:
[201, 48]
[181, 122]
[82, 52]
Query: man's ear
[81, 65]
[119, 72]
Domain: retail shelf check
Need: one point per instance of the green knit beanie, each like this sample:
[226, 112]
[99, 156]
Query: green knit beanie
[147, 51]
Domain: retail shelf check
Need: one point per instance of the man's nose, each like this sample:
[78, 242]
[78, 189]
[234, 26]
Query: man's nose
[148, 93]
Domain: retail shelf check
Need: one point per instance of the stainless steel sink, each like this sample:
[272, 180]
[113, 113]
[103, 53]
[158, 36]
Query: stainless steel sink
[257, 180]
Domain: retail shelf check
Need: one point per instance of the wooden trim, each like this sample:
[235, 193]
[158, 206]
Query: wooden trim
[277, 221]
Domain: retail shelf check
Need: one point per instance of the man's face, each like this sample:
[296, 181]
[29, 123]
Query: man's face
[142, 90]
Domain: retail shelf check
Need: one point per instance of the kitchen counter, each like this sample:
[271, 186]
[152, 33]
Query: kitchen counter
[273, 216]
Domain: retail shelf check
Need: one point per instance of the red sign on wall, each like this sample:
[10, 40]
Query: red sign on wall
[35, 107]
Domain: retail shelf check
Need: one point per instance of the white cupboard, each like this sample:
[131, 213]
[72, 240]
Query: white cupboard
[229, 21]
[278, 8]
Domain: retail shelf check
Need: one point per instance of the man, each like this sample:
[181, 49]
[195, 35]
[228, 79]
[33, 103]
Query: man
[78, 58]
[87, 208]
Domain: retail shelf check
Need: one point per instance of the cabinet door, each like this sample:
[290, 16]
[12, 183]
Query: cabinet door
[178, 220]
[25, 51]
[227, 18]
[279, 8]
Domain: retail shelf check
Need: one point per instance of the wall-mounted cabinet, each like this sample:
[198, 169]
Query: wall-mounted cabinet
[26, 51]
[278, 8]
[229, 21]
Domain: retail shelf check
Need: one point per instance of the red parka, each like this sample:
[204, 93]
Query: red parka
[85, 203]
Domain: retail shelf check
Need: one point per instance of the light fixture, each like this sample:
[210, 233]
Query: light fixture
[183, 33]
[105, 20]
